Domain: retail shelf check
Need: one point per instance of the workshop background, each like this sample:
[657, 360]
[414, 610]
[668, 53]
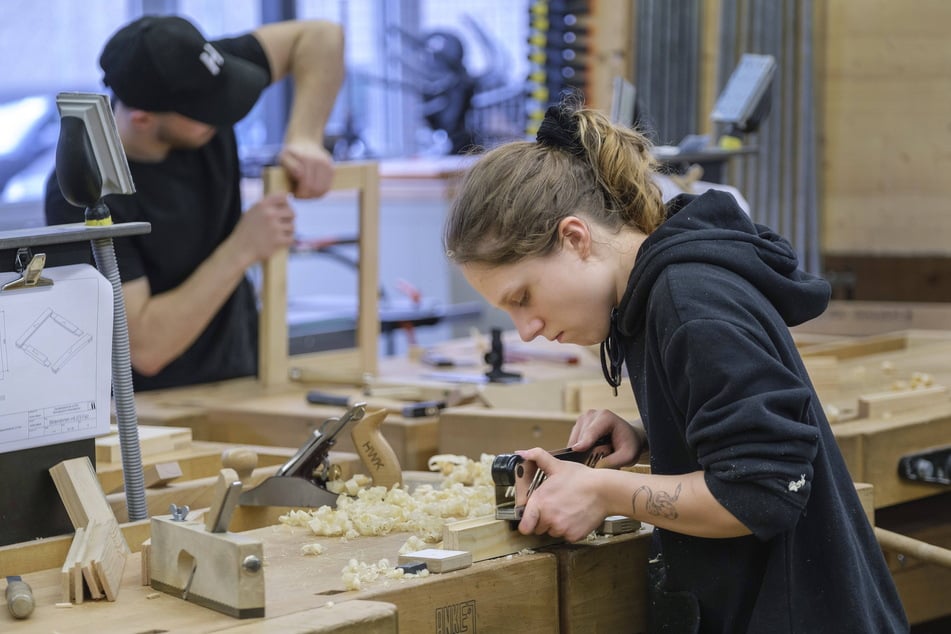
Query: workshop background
[847, 162]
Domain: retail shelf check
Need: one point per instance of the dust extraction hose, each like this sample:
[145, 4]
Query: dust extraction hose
[122, 391]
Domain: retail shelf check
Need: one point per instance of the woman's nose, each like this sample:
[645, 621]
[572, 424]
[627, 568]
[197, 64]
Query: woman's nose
[529, 328]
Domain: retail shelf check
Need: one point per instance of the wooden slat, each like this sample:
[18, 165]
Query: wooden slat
[273, 343]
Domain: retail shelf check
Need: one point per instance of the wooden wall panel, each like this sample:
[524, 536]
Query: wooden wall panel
[885, 87]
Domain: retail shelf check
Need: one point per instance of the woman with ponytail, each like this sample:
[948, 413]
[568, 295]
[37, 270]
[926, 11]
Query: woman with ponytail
[757, 525]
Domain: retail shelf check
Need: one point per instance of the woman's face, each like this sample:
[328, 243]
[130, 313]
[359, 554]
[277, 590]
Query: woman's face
[566, 296]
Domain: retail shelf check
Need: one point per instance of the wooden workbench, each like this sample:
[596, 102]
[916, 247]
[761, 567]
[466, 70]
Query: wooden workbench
[567, 588]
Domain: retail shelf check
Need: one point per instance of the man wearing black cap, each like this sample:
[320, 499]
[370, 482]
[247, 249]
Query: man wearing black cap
[191, 310]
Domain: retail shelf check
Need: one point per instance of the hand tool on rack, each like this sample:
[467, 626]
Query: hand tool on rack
[302, 480]
[516, 478]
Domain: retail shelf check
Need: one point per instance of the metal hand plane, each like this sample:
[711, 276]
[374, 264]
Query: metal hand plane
[516, 478]
[302, 480]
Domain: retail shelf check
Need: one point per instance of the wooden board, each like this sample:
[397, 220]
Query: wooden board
[152, 440]
[471, 432]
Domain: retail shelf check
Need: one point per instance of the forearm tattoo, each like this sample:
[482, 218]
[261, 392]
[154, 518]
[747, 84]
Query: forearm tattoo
[657, 502]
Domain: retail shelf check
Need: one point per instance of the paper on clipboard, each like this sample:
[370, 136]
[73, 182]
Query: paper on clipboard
[55, 358]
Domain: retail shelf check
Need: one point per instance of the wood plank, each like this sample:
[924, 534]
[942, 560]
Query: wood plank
[882, 404]
[468, 431]
[152, 440]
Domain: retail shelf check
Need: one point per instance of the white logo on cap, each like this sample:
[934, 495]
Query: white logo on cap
[211, 58]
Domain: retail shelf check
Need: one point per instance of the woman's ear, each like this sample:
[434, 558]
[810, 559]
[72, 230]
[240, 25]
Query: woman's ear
[575, 235]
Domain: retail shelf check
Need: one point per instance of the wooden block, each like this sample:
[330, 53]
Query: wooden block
[487, 537]
[110, 565]
[438, 560]
[889, 403]
[350, 617]
[79, 488]
[153, 440]
[145, 570]
[472, 431]
[161, 473]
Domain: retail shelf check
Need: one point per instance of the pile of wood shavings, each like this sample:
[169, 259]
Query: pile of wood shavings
[466, 491]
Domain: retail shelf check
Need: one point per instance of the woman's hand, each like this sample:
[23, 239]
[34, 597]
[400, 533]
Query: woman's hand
[567, 503]
[628, 440]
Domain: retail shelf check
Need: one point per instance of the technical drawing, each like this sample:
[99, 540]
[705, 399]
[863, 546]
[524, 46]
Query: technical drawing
[52, 340]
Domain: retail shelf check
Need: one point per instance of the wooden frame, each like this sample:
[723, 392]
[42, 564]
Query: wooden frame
[273, 345]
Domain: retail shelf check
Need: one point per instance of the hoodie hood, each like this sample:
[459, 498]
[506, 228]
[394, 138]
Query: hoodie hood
[713, 229]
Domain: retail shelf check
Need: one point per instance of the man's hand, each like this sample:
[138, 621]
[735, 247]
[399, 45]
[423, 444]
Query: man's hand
[628, 441]
[310, 168]
[264, 228]
[566, 504]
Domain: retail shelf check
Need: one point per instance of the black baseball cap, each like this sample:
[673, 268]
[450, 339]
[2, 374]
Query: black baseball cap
[165, 64]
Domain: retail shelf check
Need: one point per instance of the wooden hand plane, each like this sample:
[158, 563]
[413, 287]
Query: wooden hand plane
[516, 478]
[302, 480]
[201, 562]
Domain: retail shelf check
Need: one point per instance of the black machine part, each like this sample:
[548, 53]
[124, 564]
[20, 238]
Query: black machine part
[931, 466]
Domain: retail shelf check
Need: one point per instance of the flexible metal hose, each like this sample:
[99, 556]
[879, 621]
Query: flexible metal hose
[122, 385]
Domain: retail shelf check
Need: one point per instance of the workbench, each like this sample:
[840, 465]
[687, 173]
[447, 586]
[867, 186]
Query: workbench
[571, 588]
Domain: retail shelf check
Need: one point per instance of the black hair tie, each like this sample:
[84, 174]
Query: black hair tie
[559, 129]
[611, 358]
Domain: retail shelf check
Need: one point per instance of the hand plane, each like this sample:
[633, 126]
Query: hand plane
[302, 480]
[201, 562]
[516, 478]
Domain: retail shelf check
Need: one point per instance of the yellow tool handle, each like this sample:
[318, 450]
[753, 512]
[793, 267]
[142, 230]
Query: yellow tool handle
[376, 454]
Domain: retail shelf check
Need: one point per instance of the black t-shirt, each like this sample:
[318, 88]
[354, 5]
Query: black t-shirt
[192, 200]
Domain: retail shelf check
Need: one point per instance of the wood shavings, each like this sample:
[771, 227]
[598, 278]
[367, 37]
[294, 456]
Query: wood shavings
[378, 511]
[413, 544]
[356, 574]
[312, 549]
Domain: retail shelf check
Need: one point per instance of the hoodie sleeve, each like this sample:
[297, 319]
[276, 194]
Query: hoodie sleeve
[747, 421]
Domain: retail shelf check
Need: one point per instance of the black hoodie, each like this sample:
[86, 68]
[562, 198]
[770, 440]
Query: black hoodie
[720, 386]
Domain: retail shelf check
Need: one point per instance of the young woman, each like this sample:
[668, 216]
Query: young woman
[758, 527]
